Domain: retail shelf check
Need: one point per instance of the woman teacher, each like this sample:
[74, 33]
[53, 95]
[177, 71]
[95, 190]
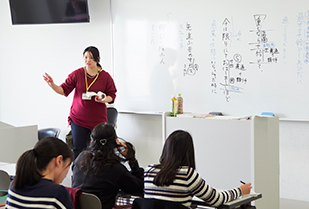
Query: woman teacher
[94, 87]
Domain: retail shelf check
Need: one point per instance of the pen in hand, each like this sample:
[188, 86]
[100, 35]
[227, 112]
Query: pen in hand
[245, 188]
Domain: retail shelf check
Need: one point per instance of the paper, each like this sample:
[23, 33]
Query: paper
[90, 94]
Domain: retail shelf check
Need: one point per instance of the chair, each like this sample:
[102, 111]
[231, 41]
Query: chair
[3, 196]
[75, 196]
[145, 203]
[5, 180]
[88, 200]
[48, 132]
[112, 115]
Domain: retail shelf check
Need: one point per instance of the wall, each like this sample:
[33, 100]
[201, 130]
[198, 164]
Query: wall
[28, 51]
[294, 156]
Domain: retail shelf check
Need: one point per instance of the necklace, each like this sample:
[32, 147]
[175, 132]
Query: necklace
[94, 75]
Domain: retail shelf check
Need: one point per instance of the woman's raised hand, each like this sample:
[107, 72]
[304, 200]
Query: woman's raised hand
[48, 79]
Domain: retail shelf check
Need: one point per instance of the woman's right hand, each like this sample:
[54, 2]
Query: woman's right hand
[245, 188]
[48, 79]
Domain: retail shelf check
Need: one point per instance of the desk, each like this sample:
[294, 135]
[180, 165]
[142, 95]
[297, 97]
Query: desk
[14, 141]
[3, 163]
[9, 168]
[242, 201]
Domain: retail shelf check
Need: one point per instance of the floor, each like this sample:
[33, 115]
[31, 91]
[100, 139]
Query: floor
[293, 204]
[285, 204]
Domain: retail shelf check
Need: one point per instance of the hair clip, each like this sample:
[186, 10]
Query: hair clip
[103, 141]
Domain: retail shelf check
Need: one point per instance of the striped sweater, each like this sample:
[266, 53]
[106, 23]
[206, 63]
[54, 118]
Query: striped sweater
[44, 194]
[188, 183]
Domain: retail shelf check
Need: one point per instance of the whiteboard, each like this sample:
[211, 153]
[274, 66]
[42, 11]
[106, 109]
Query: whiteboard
[237, 57]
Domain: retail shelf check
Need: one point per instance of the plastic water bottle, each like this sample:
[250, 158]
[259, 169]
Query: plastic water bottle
[174, 106]
[180, 104]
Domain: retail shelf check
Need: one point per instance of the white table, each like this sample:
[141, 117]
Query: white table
[8, 167]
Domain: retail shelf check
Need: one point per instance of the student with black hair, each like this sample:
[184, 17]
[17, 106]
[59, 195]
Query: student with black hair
[88, 109]
[99, 169]
[175, 178]
[39, 172]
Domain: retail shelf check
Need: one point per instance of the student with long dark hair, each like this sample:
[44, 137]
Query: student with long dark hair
[86, 111]
[175, 178]
[98, 169]
[39, 172]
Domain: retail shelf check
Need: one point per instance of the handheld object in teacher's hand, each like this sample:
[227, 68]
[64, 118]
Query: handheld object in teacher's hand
[46, 76]
[50, 79]
[89, 94]
[101, 95]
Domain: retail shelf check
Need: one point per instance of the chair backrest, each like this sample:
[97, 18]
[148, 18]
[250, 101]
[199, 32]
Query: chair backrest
[145, 203]
[3, 197]
[88, 200]
[48, 132]
[112, 115]
[5, 180]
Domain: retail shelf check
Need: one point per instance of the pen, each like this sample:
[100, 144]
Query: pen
[242, 182]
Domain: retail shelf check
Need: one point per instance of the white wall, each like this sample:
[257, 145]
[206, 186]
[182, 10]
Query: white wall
[28, 51]
[294, 160]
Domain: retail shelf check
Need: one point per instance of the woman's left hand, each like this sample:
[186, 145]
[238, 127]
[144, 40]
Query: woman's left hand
[97, 99]
[106, 99]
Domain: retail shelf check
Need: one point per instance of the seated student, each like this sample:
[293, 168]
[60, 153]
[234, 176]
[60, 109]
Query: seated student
[175, 178]
[98, 169]
[39, 172]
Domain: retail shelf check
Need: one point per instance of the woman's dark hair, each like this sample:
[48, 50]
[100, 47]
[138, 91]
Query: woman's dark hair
[101, 150]
[178, 151]
[32, 162]
[95, 54]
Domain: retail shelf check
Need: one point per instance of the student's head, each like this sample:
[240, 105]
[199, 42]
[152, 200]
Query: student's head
[93, 53]
[103, 138]
[33, 164]
[178, 151]
[101, 150]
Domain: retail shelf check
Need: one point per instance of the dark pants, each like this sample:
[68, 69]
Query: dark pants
[81, 138]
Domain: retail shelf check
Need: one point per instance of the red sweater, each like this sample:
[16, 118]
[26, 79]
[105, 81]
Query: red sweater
[88, 113]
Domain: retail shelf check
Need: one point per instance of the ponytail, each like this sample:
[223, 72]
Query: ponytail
[26, 170]
[32, 162]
